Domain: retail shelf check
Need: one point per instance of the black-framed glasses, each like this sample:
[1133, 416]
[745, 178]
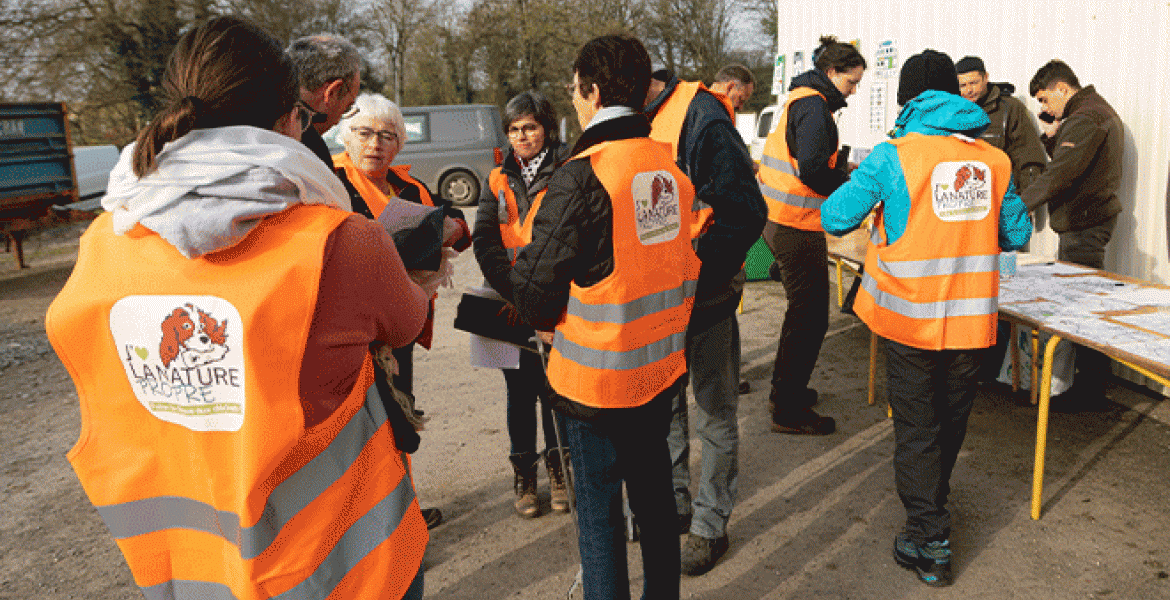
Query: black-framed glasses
[527, 130]
[308, 116]
[365, 134]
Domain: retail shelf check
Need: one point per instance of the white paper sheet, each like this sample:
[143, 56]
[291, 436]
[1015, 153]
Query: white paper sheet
[1158, 322]
[1158, 352]
[1144, 296]
[493, 354]
[1046, 269]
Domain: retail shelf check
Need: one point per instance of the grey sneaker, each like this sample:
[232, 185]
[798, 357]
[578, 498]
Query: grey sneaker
[699, 554]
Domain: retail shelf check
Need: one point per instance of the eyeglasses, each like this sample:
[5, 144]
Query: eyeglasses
[350, 112]
[527, 130]
[365, 134]
[571, 88]
[308, 116]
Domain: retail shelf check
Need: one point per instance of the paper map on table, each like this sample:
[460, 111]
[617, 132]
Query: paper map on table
[1158, 352]
[1158, 322]
[1102, 332]
[1146, 296]
[1044, 270]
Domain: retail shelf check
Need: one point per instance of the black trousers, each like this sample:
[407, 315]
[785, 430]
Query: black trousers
[805, 276]
[930, 393]
[1087, 247]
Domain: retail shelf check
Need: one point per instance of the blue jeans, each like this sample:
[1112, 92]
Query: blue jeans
[713, 362]
[525, 386]
[627, 444]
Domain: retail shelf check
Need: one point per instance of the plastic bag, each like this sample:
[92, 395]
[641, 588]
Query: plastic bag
[1063, 362]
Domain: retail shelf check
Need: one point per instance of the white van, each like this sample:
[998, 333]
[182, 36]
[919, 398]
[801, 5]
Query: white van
[765, 123]
[93, 165]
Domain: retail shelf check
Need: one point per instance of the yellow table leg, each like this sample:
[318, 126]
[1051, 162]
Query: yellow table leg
[1015, 359]
[1042, 427]
[873, 343]
[1035, 391]
[840, 287]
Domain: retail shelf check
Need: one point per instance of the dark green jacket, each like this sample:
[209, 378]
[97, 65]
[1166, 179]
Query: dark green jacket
[1013, 131]
[1080, 184]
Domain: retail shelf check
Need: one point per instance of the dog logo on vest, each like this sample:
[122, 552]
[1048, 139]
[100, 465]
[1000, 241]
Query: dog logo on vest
[961, 191]
[656, 209]
[182, 359]
[192, 336]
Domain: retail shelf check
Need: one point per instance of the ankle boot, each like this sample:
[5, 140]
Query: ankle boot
[558, 479]
[524, 483]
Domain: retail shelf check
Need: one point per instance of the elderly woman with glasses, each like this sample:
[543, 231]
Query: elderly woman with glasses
[502, 227]
[373, 133]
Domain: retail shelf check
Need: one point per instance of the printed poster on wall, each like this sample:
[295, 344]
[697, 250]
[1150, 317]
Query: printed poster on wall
[779, 75]
[797, 63]
[878, 99]
[885, 60]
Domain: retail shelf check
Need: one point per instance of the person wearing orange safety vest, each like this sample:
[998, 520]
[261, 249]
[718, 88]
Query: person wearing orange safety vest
[503, 225]
[729, 215]
[610, 268]
[931, 284]
[800, 166]
[233, 438]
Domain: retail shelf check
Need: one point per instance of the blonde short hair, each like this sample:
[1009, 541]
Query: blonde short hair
[375, 106]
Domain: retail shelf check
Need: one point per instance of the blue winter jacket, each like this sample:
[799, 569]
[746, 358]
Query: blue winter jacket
[879, 177]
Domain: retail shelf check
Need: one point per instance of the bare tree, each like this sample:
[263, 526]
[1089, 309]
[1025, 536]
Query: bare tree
[395, 23]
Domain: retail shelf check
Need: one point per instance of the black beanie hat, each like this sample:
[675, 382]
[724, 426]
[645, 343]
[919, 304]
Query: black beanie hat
[968, 64]
[930, 70]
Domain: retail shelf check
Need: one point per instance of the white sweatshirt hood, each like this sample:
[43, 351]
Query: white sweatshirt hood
[212, 186]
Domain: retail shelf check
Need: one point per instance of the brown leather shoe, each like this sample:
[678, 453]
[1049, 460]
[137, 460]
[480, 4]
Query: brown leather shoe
[802, 421]
[524, 484]
[558, 479]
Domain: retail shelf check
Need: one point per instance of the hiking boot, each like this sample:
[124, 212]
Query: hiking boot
[699, 554]
[802, 421]
[524, 484]
[433, 517]
[930, 561]
[558, 479]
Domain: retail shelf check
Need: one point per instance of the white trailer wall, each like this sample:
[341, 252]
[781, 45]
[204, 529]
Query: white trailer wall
[1121, 47]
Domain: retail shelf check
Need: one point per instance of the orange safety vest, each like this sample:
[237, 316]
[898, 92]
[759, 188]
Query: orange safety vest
[937, 286]
[621, 341]
[515, 229]
[193, 446]
[667, 128]
[790, 201]
[375, 198]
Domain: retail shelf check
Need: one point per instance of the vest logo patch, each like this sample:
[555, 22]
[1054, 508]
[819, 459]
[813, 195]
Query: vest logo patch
[656, 211]
[961, 191]
[183, 356]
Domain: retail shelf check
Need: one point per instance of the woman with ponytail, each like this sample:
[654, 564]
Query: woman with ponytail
[799, 169]
[233, 436]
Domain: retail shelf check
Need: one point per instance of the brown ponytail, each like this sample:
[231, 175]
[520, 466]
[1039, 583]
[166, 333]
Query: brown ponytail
[227, 71]
[839, 56]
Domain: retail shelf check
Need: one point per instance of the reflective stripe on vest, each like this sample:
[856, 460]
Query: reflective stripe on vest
[289, 498]
[666, 127]
[634, 309]
[940, 266]
[966, 307]
[790, 201]
[620, 361]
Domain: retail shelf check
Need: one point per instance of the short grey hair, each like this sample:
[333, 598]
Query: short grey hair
[324, 57]
[375, 106]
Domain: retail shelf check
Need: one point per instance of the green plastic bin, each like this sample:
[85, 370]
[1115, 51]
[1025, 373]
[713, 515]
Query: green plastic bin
[759, 258]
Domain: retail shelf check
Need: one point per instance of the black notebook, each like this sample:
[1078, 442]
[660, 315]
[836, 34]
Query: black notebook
[481, 316]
